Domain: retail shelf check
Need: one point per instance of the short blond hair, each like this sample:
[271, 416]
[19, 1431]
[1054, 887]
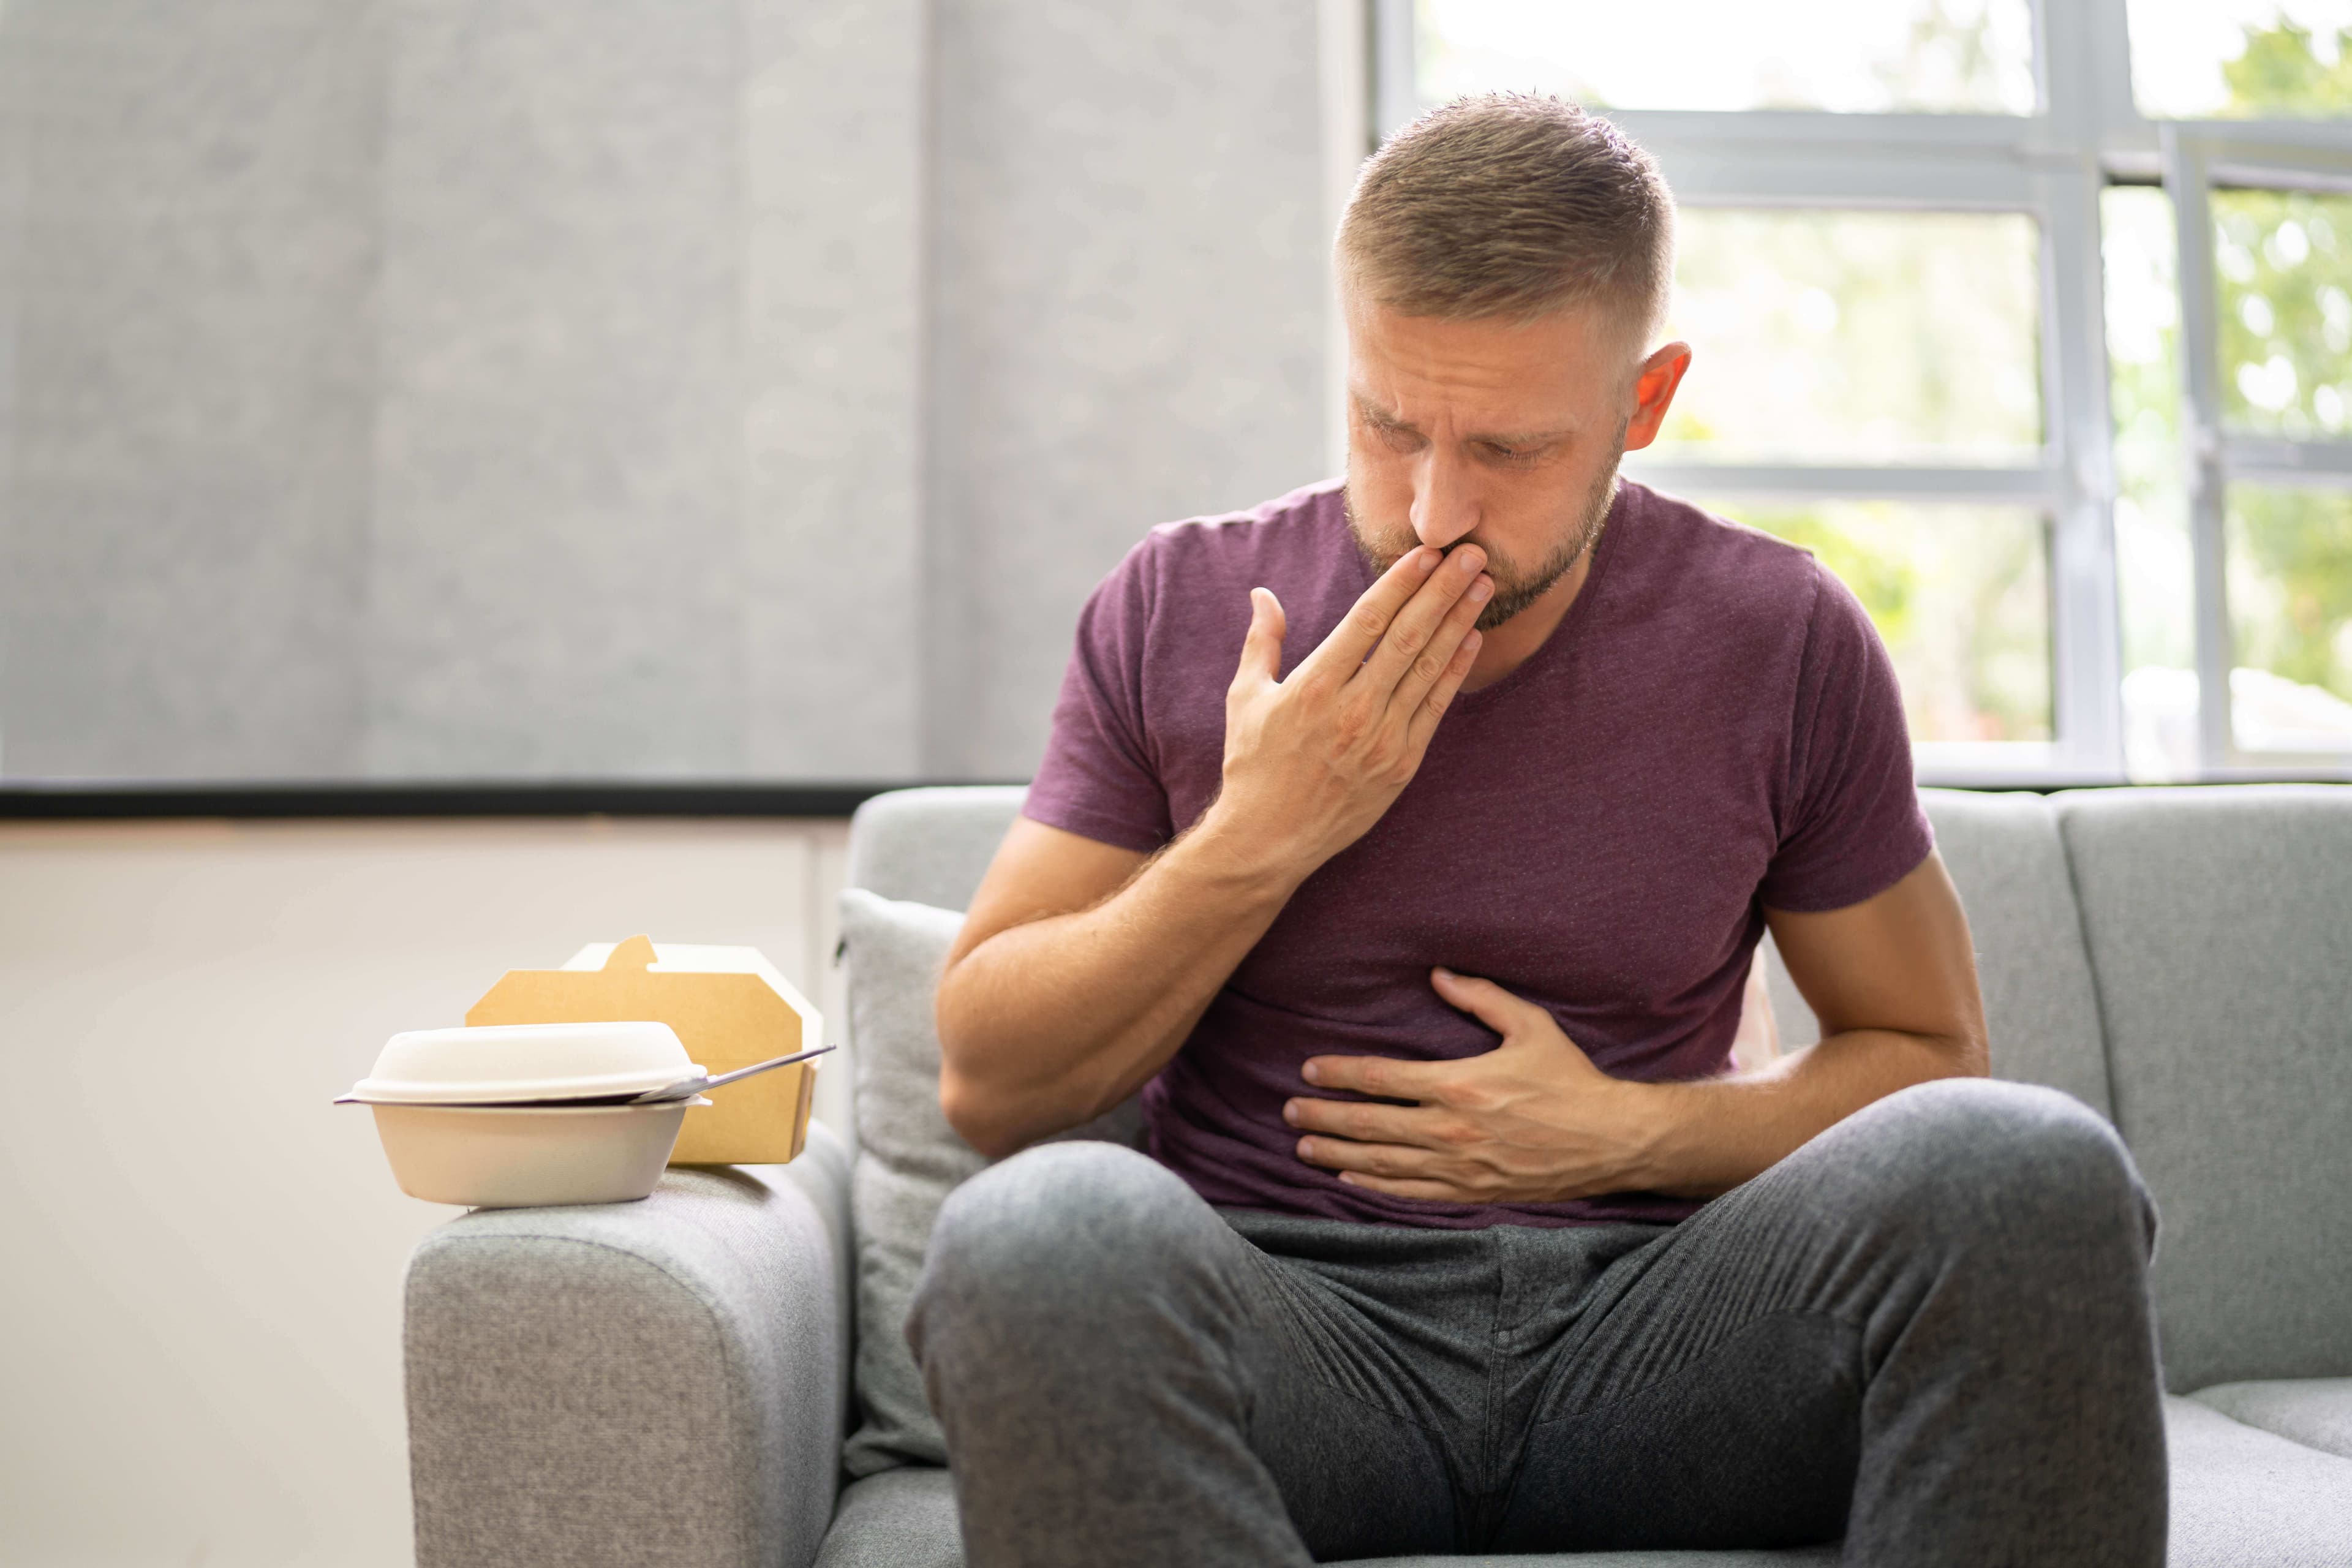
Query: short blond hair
[1511, 205]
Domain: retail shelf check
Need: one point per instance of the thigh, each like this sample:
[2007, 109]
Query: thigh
[1915, 1287]
[1704, 1391]
[1370, 1380]
[1080, 1303]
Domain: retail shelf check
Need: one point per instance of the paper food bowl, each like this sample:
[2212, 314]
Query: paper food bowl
[520, 1115]
[498, 1156]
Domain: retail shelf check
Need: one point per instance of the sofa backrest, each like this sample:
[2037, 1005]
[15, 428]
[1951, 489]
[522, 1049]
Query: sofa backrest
[931, 845]
[2219, 928]
[2180, 960]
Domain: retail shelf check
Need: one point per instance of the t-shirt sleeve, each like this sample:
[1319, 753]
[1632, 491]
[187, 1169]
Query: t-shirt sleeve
[1851, 823]
[1098, 779]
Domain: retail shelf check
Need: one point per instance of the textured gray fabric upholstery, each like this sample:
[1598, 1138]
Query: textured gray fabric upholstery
[931, 845]
[900, 1518]
[627, 1383]
[2244, 1498]
[2315, 1411]
[2218, 931]
[2240, 1499]
[2041, 1010]
[908, 1159]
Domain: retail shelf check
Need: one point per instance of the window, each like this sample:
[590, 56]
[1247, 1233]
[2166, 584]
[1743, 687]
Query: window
[2033, 319]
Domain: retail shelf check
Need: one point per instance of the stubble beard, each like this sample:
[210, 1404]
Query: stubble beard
[1515, 588]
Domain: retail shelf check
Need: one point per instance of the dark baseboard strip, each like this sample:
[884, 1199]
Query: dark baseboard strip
[92, 800]
[88, 801]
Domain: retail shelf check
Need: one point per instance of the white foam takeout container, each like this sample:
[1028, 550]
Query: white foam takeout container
[479, 1117]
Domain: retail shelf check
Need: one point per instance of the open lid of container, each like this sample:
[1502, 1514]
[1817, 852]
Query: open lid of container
[499, 1062]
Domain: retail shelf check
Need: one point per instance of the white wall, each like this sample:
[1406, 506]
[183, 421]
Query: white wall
[201, 1258]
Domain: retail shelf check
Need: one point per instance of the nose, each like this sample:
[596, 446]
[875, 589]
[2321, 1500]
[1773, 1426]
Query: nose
[1443, 509]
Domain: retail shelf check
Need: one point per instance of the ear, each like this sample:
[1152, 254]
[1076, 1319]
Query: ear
[1653, 392]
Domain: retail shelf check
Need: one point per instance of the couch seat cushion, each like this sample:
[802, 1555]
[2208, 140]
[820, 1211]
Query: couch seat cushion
[2314, 1411]
[904, 1518]
[2245, 1496]
[2240, 1497]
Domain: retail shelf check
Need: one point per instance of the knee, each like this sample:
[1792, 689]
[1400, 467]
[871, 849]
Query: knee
[1044, 1242]
[1983, 1155]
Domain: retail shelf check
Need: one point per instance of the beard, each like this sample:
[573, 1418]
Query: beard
[1516, 586]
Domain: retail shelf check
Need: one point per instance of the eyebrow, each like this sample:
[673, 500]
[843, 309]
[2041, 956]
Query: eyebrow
[1387, 421]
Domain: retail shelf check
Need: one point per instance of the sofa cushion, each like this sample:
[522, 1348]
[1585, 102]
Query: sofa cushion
[2217, 924]
[909, 1159]
[931, 845]
[2315, 1412]
[2239, 1496]
[900, 1518]
[2040, 1011]
[2242, 1496]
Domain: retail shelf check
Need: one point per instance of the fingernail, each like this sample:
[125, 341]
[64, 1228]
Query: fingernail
[1307, 1148]
[1480, 590]
[1311, 1073]
[1428, 560]
[1290, 1111]
[1444, 973]
[1470, 558]
[1472, 641]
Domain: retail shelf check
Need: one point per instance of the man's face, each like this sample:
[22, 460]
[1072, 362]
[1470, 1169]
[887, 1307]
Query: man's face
[1504, 433]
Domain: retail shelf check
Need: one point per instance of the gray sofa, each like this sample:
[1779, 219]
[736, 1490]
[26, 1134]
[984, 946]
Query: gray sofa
[669, 1383]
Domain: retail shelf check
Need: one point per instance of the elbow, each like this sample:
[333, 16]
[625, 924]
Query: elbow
[976, 1115]
[1965, 1053]
[975, 1119]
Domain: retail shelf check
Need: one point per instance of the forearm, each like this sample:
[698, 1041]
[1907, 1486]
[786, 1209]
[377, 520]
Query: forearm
[1698, 1140]
[1053, 1021]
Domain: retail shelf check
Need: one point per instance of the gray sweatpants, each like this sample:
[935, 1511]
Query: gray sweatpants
[1926, 1331]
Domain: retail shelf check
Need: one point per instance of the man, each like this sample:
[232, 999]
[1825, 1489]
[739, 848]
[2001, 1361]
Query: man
[1408, 844]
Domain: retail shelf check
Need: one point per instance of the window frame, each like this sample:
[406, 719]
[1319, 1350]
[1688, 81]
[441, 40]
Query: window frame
[2086, 133]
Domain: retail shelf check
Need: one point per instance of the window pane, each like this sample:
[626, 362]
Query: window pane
[2156, 575]
[1854, 56]
[2283, 261]
[2194, 59]
[1960, 593]
[2290, 562]
[1856, 337]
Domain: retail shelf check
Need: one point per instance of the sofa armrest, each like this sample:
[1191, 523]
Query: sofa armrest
[661, 1382]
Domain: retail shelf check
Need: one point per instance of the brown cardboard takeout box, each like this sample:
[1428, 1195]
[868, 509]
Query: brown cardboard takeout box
[729, 1007]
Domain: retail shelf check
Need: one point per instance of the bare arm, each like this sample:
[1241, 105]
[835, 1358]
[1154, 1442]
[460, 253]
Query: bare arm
[1893, 980]
[1081, 967]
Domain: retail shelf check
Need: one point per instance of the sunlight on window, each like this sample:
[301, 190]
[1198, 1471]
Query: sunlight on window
[2154, 574]
[2195, 59]
[2289, 552]
[2282, 260]
[2291, 617]
[1854, 56]
[1857, 337]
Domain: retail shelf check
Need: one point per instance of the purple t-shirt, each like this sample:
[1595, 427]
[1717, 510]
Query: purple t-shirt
[1713, 727]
